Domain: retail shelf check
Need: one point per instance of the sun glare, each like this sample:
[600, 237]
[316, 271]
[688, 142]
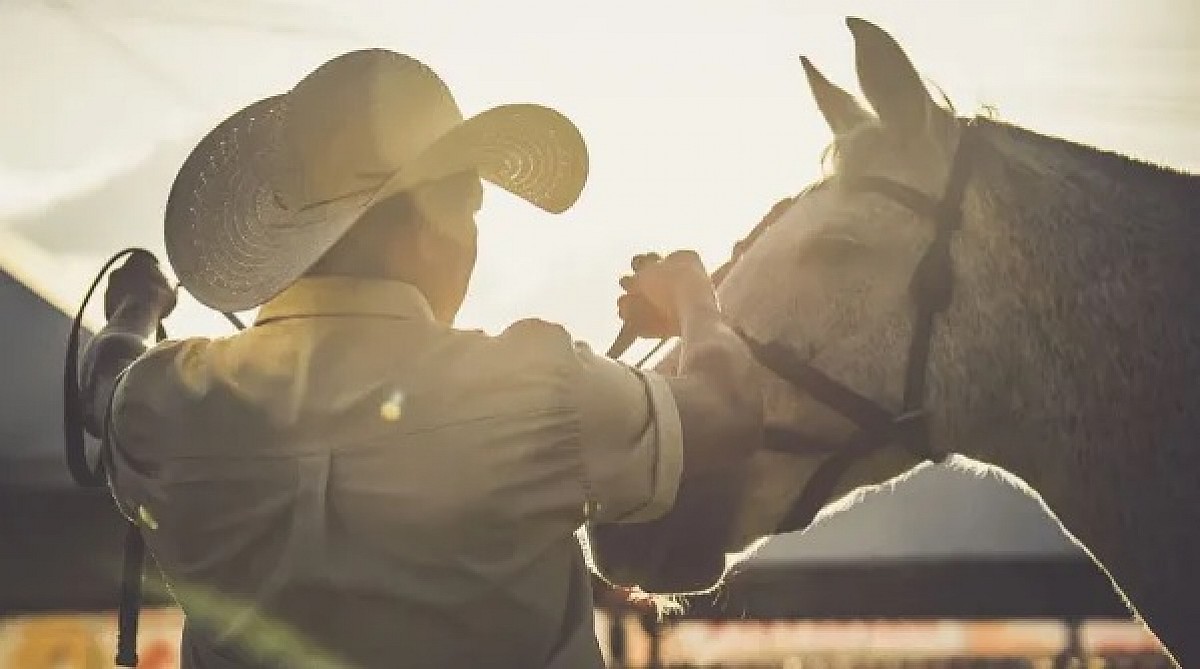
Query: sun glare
[697, 118]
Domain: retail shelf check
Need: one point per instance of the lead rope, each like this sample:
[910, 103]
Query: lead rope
[83, 474]
[86, 476]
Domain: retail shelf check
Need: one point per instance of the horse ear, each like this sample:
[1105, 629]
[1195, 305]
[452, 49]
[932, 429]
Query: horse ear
[889, 80]
[841, 111]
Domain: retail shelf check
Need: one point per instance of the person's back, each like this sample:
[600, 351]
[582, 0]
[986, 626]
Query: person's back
[351, 482]
[373, 484]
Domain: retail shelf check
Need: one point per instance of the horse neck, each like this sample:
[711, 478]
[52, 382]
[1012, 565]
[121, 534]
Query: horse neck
[1071, 354]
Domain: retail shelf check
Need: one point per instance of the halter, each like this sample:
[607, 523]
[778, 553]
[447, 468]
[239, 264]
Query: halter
[930, 289]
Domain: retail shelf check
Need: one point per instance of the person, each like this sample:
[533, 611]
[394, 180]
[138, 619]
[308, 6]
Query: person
[352, 481]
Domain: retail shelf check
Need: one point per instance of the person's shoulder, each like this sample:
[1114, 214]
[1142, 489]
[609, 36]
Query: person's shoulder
[523, 348]
[172, 352]
[535, 331]
[165, 365]
[152, 391]
[527, 333]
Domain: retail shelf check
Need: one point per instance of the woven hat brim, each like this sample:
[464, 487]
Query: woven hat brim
[234, 245]
[230, 239]
[529, 150]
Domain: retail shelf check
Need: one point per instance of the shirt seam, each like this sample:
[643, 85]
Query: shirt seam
[374, 443]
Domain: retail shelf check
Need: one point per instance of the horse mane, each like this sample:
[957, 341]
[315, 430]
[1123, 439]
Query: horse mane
[850, 153]
[1105, 162]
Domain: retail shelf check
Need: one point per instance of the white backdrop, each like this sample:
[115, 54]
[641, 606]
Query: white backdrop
[696, 113]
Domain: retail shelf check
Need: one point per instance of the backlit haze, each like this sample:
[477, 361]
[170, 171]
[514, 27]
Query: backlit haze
[696, 114]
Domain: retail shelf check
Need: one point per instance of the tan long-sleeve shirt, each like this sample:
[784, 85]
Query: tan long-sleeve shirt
[350, 483]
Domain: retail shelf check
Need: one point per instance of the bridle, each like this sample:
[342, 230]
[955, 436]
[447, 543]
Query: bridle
[931, 290]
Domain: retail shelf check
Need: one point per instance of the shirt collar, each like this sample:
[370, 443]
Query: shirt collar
[346, 296]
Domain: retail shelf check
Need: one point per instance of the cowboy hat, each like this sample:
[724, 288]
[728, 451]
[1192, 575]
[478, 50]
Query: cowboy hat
[265, 194]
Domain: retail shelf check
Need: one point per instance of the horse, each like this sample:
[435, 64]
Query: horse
[1065, 356]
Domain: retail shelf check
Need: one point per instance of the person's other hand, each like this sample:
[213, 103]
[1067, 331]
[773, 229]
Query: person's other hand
[140, 282]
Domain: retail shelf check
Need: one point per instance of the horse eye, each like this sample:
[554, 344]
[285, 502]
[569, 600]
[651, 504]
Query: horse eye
[831, 247]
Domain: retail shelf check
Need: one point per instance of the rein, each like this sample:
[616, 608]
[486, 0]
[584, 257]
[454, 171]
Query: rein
[87, 475]
[931, 290]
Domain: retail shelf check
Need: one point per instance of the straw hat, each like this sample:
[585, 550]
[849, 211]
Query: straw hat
[265, 194]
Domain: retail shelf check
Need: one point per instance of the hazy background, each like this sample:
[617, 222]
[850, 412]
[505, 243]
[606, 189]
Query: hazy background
[696, 114]
[697, 117]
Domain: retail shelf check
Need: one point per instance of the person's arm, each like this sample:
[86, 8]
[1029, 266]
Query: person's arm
[138, 297]
[719, 402]
[720, 413]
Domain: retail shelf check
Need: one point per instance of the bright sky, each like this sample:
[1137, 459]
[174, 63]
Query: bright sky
[696, 114]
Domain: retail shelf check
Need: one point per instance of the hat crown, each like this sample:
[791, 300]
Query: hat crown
[355, 121]
[275, 185]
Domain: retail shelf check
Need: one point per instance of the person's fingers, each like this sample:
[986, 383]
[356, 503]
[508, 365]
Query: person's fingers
[628, 283]
[631, 308]
[636, 310]
[687, 255]
[642, 316]
[642, 259]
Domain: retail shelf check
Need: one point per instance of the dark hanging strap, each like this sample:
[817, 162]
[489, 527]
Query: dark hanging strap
[129, 603]
[130, 606]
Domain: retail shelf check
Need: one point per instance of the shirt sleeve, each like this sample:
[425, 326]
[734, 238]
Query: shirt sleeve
[632, 442]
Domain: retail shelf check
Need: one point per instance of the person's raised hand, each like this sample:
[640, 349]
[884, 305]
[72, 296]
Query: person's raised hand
[662, 292]
[140, 282]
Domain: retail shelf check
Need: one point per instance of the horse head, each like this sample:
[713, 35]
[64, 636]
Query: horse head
[1065, 356]
[828, 272]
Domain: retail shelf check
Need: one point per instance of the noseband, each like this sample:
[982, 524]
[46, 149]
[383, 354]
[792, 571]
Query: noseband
[930, 289]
